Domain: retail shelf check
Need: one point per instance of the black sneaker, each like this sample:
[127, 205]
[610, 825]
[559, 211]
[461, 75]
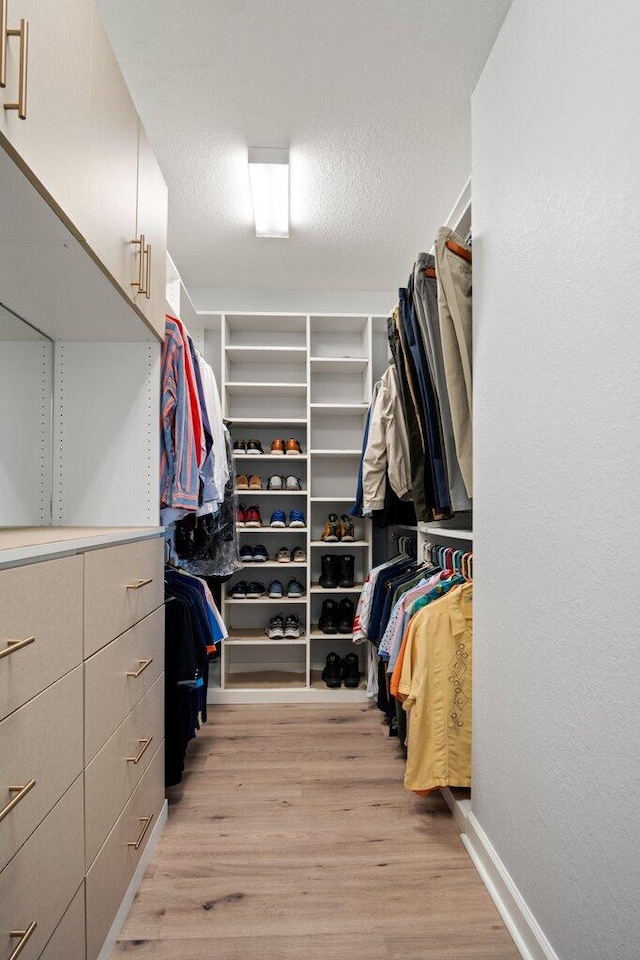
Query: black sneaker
[292, 627]
[351, 670]
[332, 673]
[254, 446]
[255, 590]
[239, 590]
[239, 446]
[275, 630]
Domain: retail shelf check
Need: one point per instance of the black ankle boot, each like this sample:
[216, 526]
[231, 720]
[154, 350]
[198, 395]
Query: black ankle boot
[328, 622]
[346, 613]
[347, 565]
[332, 673]
[330, 571]
[351, 670]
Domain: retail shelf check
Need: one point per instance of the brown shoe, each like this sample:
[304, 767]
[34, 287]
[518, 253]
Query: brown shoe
[277, 447]
[293, 448]
[242, 482]
[255, 482]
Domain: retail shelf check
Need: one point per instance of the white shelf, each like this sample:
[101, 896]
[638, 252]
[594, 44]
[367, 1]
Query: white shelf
[336, 453]
[332, 499]
[258, 389]
[299, 600]
[341, 544]
[263, 641]
[273, 565]
[339, 409]
[316, 588]
[249, 354]
[319, 635]
[339, 364]
[270, 493]
[267, 529]
[451, 532]
[267, 422]
[269, 456]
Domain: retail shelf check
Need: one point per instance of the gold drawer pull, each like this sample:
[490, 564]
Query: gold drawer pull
[24, 935]
[23, 33]
[143, 666]
[14, 645]
[20, 793]
[147, 289]
[139, 583]
[136, 843]
[139, 283]
[3, 43]
[145, 744]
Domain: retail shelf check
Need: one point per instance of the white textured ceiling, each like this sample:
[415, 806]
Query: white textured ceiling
[371, 96]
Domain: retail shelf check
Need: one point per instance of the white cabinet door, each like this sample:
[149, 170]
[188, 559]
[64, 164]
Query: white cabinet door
[152, 223]
[113, 165]
[52, 140]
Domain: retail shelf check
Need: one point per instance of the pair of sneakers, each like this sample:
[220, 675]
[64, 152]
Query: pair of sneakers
[284, 628]
[339, 670]
[296, 519]
[248, 516]
[257, 554]
[295, 589]
[338, 529]
[297, 555]
[247, 591]
[284, 483]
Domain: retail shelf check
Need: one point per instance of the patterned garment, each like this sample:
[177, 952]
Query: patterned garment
[179, 444]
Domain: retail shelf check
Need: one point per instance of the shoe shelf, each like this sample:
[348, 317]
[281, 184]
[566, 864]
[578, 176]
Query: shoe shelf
[316, 588]
[340, 544]
[253, 389]
[307, 377]
[270, 456]
[435, 530]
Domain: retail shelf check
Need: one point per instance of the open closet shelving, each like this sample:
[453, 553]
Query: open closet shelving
[307, 377]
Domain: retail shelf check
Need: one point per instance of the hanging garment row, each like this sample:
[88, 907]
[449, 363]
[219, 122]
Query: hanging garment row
[196, 459]
[418, 619]
[194, 630]
[417, 442]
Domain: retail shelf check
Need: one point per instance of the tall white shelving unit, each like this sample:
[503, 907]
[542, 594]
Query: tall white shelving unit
[308, 377]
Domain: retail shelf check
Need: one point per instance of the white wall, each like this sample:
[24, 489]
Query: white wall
[556, 197]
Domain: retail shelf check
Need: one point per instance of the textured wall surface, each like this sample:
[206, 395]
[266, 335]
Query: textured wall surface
[556, 194]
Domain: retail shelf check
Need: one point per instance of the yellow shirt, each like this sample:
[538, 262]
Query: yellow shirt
[436, 684]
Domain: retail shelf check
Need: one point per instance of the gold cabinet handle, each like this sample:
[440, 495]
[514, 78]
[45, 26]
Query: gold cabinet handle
[3, 43]
[143, 666]
[23, 33]
[139, 583]
[147, 289]
[139, 283]
[146, 821]
[25, 936]
[20, 792]
[14, 645]
[145, 744]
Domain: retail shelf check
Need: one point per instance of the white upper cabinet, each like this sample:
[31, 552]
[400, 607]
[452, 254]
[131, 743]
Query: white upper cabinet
[152, 225]
[113, 165]
[47, 73]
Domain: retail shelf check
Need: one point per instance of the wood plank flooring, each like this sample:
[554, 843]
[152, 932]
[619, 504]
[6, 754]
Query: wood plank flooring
[292, 838]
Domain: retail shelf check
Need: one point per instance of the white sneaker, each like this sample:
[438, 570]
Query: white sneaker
[275, 483]
[293, 483]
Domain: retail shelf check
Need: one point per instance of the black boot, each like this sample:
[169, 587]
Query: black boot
[330, 571]
[346, 613]
[328, 622]
[332, 673]
[351, 670]
[347, 564]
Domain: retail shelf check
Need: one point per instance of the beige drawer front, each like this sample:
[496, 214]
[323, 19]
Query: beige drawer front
[110, 694]
[41, 600]
[40, 742]
[68, 941]
[41, 880]
[121, 586]
[113, 774]
[111, 873]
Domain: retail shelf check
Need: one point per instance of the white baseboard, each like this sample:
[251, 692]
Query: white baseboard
[114, 932]
[525, 930]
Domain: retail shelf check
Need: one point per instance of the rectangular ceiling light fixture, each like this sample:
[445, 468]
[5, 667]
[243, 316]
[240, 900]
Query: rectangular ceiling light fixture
[269, 176]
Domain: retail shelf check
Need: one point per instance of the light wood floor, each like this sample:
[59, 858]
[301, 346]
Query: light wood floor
[292, 838]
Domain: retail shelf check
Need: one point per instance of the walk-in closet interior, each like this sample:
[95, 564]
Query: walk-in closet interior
[318, 423]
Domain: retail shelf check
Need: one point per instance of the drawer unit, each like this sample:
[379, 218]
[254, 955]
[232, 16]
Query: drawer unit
[68, 941]
[118, 676]
[41, 751]
[41, 604]
[38, 884]
[122, 585]
[115, 772]
[113, 868]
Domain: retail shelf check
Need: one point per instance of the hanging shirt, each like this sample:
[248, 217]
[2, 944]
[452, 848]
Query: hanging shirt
[215, 470]
[436, 686]
[179, 477]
